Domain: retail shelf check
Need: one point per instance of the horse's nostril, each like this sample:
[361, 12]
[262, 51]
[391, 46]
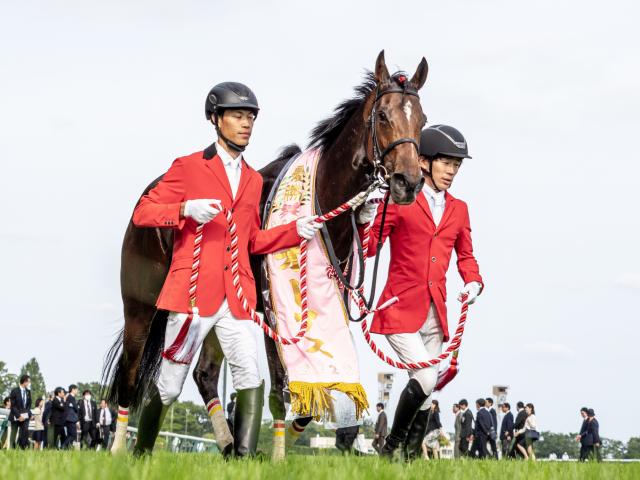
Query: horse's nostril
[400, 180]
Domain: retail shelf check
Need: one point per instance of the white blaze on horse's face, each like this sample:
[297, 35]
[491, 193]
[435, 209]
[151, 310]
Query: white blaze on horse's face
[407, 109]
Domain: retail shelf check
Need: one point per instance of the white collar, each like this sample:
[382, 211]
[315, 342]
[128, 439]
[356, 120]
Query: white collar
[226, 158]
[438, 197]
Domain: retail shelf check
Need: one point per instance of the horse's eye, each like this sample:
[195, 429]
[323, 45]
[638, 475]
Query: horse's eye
[383, 117]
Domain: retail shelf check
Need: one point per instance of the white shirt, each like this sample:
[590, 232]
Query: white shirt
[105, 416]
[232, 166]
[436, 202]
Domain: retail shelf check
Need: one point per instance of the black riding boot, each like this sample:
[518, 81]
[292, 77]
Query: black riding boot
[246, 421]
[151, 420]
[413, 445]
[411, 399]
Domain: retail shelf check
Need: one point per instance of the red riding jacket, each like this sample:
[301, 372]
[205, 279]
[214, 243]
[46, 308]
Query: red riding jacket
[202, 175]
[420, 255]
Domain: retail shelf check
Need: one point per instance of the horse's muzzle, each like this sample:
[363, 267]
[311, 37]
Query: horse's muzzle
[402, 190]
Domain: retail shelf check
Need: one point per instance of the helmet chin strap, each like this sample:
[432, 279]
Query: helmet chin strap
[433, 180]
[230, 144]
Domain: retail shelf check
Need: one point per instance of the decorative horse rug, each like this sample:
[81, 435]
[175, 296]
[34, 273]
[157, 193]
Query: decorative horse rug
[322, 368]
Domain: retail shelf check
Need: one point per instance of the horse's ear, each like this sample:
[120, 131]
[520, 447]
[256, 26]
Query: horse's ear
[420, 76]
[382, 73]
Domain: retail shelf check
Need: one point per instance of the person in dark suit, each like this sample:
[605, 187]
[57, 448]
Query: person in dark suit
[494, 422]
[466, 427]
[46, 420]
[106, 421]
[506, 429]
[88, 413]
[231, 409]
[581, 437]
[592, 440]
[380, 430]
[482, 430]
[71, 417]
[20, 413]
[518, 424]
[57, 418]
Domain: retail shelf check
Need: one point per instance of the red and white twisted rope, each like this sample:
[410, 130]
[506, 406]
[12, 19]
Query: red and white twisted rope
[359, 298]
[172, 352]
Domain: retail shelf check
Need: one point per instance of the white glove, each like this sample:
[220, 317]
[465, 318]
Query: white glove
[307, 227]
[473, 290]
[202, 210]
[368, 213]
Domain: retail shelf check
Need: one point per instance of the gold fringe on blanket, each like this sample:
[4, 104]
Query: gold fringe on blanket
[315, 398]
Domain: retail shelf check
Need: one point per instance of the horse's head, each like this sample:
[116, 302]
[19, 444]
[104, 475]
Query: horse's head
[395, 119]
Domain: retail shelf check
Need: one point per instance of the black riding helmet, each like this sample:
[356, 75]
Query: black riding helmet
[443, 140]
[229, 95]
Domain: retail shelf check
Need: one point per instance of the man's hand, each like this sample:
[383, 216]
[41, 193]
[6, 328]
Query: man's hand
[472, 289]
[578, 437]
[307, 227]
[368, 213]
[202, 210]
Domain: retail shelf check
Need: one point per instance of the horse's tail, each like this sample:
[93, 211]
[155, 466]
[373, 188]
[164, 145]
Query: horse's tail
[113, 373]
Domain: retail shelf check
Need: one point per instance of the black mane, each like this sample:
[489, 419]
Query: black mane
[328, 130]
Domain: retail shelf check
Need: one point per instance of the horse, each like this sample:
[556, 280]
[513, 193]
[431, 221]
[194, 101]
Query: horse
[374, 133]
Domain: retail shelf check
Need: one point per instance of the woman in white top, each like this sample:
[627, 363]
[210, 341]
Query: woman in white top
[530, 433]
[38, 426]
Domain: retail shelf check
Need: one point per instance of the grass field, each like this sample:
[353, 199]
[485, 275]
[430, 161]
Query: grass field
[169, 466]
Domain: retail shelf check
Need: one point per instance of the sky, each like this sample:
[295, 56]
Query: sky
[98, 98]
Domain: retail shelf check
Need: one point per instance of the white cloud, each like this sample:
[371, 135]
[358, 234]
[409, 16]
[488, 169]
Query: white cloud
[629, 280]
[550, 350]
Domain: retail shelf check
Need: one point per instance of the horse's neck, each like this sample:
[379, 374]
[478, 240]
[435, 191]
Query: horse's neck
[340, 176]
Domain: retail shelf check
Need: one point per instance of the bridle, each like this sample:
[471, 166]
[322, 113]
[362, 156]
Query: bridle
[379, 179]
[401, 85]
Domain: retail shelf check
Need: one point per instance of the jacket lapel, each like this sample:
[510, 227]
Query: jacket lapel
[213, 162]
[449, 206]
[245, 175]
[422, 201]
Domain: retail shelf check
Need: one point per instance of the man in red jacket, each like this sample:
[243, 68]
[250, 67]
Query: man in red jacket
[423, 236]
[191, 193]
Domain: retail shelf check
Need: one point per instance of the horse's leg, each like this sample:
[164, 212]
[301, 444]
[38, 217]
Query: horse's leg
[138, 318]
[276, 398]
[206, 375]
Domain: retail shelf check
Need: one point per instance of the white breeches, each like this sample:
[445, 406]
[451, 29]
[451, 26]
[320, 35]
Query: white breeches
[421, 346]
[239, 345]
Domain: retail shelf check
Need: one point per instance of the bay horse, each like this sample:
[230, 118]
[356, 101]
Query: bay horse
[376, 131]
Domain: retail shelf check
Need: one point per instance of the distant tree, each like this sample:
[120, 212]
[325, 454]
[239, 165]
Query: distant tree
[633, 448]
[94, 387]
[38, 387]
[197, 421]
[8, 380]
[613, 448]
[557, 443]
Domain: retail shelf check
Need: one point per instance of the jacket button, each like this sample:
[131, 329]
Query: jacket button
[232, 210]
[435, 234]
[430, 283]
[226, 267]
[433, 259]
[228, 248]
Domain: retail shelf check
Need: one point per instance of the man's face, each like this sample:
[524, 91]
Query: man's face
[74, 392]
[504, 409]
[237, 125]
[103, 404]
[489, 404]
[378, 408]
[478, 407]
[456, 409]
[583, 414]
[444, 170]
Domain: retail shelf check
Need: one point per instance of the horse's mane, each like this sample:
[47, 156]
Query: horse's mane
[328, 130]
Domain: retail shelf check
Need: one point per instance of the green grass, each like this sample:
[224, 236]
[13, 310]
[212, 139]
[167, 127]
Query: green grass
[169, 466]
